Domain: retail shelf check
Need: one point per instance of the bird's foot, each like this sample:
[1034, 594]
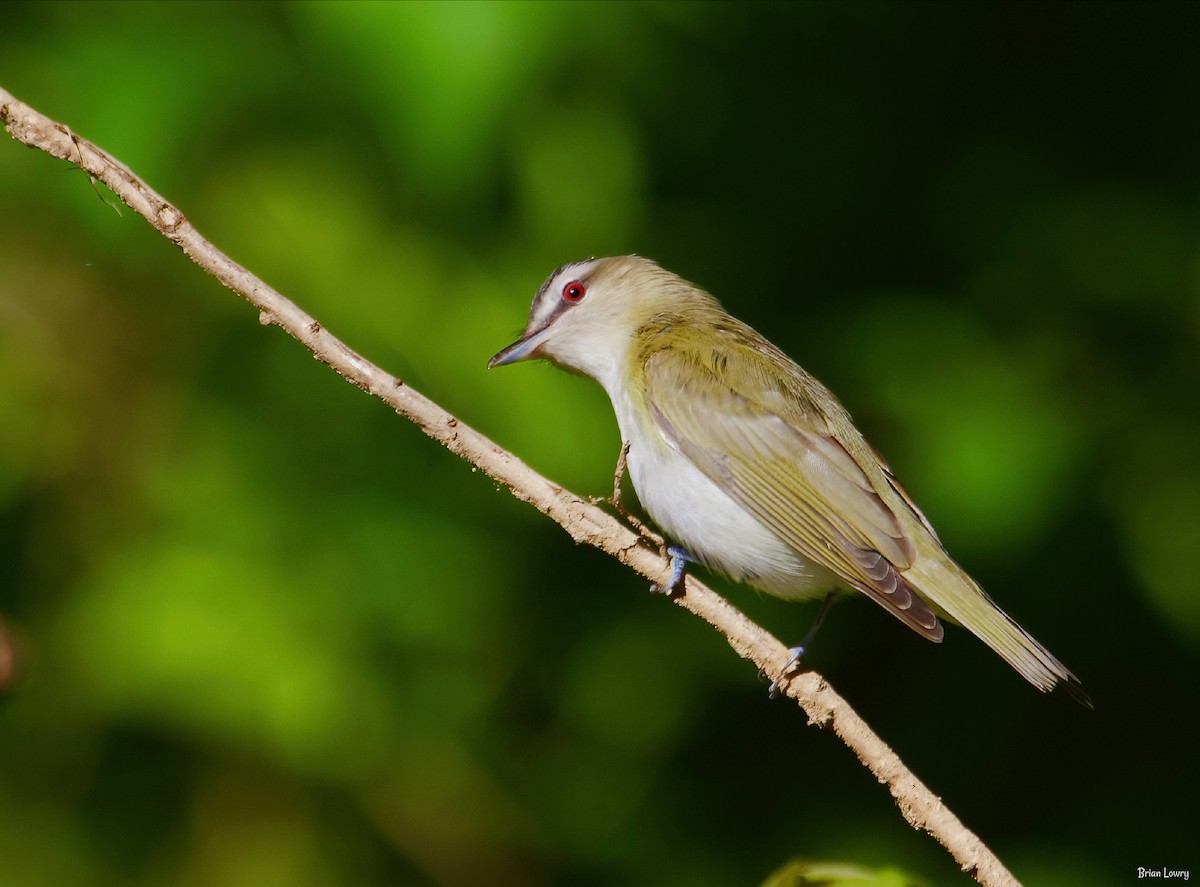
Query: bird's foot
[790, 669]
[679, 559]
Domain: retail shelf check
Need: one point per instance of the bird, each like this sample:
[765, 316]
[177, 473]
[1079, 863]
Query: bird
[752, 465]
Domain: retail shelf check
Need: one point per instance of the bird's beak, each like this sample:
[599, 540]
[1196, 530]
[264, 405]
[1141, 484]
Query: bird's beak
[525, 348]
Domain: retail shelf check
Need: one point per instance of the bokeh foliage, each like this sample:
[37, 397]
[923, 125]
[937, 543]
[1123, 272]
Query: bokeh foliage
[266, 633]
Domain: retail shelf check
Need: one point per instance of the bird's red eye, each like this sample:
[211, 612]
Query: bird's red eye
[574, 291]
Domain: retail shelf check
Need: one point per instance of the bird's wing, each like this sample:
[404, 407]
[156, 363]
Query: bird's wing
[773, 453]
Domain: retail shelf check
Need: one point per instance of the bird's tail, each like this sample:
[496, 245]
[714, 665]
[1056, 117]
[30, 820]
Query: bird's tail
[952, 593]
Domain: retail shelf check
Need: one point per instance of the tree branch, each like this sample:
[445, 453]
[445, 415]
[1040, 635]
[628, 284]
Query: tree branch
[580, 518]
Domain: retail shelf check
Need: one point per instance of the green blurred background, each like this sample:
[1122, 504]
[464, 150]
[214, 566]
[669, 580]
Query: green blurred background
[259, 631]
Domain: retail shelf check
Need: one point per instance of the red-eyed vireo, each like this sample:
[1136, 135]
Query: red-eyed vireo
[751, 463]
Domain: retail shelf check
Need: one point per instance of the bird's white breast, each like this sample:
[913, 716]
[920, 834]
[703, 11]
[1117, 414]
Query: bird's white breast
[701, 517]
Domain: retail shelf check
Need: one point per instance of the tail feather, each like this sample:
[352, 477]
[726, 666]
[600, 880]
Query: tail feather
[954, 594]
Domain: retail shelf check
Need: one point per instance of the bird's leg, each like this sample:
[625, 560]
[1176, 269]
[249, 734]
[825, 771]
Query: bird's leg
[679, 558]
[796, 654]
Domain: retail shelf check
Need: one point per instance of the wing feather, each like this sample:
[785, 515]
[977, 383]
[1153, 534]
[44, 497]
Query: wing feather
[774, 454]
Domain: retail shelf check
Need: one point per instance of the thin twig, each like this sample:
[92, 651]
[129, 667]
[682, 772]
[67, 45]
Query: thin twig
[580, 518]
[630, 518]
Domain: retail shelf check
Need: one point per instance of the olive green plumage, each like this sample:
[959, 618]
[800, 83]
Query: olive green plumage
[752, 463]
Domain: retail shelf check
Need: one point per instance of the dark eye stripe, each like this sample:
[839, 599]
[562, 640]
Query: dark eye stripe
[544, 288]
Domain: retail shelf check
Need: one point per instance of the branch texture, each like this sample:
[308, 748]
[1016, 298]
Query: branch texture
[585, 522]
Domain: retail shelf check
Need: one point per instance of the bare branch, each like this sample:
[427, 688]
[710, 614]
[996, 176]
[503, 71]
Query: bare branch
[580, 518]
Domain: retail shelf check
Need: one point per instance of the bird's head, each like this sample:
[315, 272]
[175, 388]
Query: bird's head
[586, 314]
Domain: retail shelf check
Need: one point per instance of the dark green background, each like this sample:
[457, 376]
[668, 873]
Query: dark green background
[268, 634]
